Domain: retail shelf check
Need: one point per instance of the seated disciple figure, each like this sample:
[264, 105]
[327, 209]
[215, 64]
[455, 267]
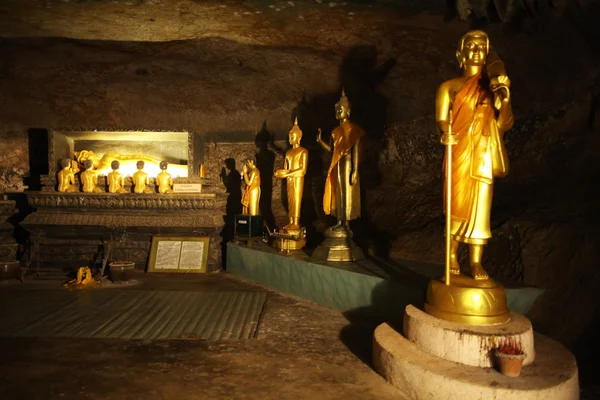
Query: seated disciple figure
[141, 180]
[66, 177]
[115, 179]
[127, 162]
[164, 180]
[89, 179]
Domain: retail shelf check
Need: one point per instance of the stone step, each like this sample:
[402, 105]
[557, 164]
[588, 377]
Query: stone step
[553, 375]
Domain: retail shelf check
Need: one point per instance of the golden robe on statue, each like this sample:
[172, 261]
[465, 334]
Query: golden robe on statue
[477, 158]
[341, 199]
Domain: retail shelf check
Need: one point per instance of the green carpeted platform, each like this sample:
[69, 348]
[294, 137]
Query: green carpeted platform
[365, 287]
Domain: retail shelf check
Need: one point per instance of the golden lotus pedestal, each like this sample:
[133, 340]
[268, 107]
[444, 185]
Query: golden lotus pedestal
[289, 240]
[338, 246]
[467, 300]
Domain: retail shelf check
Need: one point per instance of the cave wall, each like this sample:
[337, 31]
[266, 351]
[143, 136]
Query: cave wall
[270, 68]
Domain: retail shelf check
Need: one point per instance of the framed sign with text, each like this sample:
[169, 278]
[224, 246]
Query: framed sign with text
[183, 254]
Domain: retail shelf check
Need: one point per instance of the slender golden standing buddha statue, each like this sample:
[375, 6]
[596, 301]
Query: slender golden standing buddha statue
[115, 179]
[293, 236]
[472, 111]
[140, 180]
[251, 197]
[342, 186]
[164, 180]
[66, 177]
[294, 169]
[89, 178]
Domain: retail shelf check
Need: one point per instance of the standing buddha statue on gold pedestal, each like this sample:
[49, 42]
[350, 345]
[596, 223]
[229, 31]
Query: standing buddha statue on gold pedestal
[342, 187]
[294, 169]
[472, 111]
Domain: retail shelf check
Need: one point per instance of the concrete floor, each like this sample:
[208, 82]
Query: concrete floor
[302, 351]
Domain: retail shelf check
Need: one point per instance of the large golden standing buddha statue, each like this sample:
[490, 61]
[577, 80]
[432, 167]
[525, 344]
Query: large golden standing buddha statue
[342, 186]
[472, 111]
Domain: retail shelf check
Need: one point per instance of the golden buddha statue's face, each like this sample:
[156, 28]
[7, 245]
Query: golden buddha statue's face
[341, 112]
[474, 50]
[294, 138]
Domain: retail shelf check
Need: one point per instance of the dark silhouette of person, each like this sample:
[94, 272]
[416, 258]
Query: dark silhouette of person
[265, 162]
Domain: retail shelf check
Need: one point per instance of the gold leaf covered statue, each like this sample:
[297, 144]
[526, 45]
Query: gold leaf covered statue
[89, 179]
[66, 177]
[472, 111]
[115, 179]
[127, 161]
[342, 187]
[84, 280]
[251, 196]
[140, 180]
[294, 169]
[164, 180]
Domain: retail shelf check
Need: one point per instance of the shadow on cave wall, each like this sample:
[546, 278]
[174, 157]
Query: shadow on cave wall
[360, 75]
[231, 179]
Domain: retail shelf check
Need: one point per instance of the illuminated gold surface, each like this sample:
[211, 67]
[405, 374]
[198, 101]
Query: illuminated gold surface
[102, 164]
[293, 239]
[338, 247]
[479, 154]
[89, 180]
[472, 111]
[164, 180]
[467, 300]
[342, 187]
[140, 180]
[294, 169]
[251, 197]
[115, 179]
[66, 180]
[84, 280]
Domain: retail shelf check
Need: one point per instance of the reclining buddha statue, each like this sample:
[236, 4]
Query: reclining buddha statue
[102, 165]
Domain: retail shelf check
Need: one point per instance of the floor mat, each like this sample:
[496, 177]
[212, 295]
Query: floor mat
[131, 314]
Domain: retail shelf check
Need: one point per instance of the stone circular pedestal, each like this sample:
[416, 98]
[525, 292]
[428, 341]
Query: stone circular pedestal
[466, 344]
[421, 375]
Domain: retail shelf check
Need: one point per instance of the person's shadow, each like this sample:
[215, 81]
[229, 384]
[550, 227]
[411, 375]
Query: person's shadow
[265, 162]
[231, 179]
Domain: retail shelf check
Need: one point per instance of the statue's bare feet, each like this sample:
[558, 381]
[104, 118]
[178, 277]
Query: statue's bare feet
[478, 272]
[291, 227]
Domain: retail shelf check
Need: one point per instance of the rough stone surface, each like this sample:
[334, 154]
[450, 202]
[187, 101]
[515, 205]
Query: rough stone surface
[299, 353]
[552, 377]
[466, 344]
[219, 68]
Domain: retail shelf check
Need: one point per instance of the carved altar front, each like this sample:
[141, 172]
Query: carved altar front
[67, 229]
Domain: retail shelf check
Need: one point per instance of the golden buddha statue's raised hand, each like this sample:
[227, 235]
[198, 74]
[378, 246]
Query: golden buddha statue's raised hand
[294, 169]
[164, 180]
[342, 187]
[89, 179]
[66, 177]
[251, 196]
[115, 179]
[473, 111]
